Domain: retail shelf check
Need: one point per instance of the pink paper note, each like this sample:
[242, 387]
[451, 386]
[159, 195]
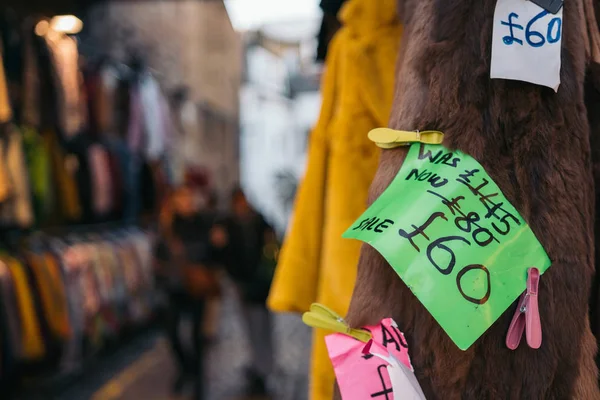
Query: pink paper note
[360, 376]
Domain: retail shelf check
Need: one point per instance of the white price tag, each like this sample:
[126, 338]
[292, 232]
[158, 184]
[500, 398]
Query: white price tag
[404, 382]
[526, 43]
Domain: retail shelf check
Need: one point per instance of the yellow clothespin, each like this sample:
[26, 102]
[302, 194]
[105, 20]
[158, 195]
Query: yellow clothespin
[322, 317]
[389, 138]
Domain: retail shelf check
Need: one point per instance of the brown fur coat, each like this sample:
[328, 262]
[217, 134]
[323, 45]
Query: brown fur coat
[535, 144]
[592, 100]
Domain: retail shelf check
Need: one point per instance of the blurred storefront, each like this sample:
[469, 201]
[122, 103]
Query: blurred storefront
[279, 104]
[86, 160]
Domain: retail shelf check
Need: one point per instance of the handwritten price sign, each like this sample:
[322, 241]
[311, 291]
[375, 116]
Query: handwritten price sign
[534, 38]
[363, 376]
[454, 239]
[526, 43]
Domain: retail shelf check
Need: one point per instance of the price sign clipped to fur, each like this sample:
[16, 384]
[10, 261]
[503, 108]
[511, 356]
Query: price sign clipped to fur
[364, 376]
[526, 43]
[454, 239]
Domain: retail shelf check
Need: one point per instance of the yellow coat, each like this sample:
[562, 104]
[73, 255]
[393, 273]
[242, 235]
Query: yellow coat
[316, 264]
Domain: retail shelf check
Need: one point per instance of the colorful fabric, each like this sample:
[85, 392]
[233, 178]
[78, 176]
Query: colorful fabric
[5, 108]
[50, 286]
[39, 166]
[101, 183]
[31, 341]
[64, 169]
[71, 107]
[17, 209]
[10, 310]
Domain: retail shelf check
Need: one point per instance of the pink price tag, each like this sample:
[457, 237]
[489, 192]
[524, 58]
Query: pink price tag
[364, 376]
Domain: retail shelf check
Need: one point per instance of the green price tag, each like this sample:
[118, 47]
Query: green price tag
[454, 239]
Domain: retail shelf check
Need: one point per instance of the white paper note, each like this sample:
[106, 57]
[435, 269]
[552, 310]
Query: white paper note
[405, 385]
[526, 43]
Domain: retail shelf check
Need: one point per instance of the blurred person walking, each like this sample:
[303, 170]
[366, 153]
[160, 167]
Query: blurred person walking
[185, 266]
[251, 253]
[212, 313]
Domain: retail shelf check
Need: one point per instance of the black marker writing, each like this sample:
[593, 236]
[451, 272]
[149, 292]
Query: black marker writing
[385, 391]
[433, 179]
[439, 244]
[420, 230]
[462, 273]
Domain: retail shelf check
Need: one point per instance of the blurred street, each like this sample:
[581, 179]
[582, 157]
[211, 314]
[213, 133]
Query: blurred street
[145, 370]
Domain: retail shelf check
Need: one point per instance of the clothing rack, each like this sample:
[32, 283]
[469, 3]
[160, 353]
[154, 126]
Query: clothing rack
[110, 243]
[76, 273]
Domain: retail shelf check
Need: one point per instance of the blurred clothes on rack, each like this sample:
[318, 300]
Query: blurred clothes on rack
[70, 155]
[316, 264]
[63, 297]
[79, 161]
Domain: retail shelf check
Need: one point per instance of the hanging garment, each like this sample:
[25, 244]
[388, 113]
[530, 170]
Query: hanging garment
[17, 209]
[144, 255]
[109, 84]
[155, 117]
[116, 183]
[123, 179]
[535, 145]
[78, 257]
[52, 292]
[101, 83]
[5, 108]
[147, 196]
[10, 311]
[135, 125]
[106, 282]
[31, 340]
[40, 174]
[71, 101]
[11, 35]
[130, 272]
[6, 188]
[31, 81]
[134, 279]
[71, 268]
[82, 168]
[316, 264]
[102, 198]
[64, 170]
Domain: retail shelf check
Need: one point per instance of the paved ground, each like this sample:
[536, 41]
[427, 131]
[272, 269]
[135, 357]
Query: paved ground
[144, 369]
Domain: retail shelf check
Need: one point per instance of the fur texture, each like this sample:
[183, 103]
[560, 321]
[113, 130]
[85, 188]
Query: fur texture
[592, 100]
[535, 145]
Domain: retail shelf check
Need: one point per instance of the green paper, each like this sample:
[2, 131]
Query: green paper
[454, 239]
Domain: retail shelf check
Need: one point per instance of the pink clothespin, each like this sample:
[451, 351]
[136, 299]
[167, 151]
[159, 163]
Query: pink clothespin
[527, 315]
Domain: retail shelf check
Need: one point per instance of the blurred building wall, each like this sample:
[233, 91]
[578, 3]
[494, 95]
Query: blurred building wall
[186, 43]
[278, 111]
[279, 105]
